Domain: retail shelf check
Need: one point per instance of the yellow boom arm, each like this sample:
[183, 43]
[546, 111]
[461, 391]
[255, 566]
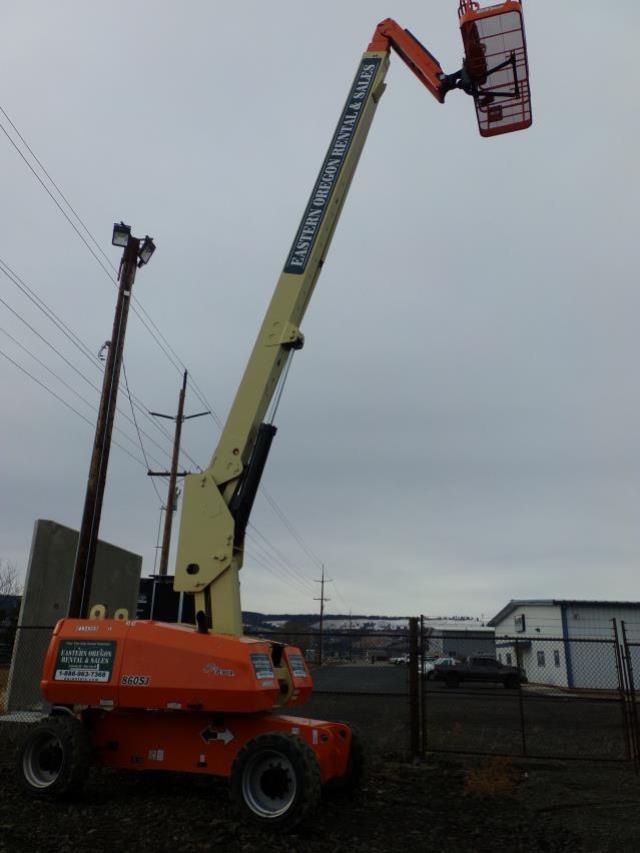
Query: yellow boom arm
[218, 501]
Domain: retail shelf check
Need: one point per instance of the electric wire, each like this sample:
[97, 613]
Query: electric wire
[69, 364]
[340, 596]
[283, 518]
[256, 558]
[58, 190]
[138, 309]
[55, 201]
[65, 403]
[84, 350]
[278, 555]
[133, 415]
[292, 577]
[90, 404]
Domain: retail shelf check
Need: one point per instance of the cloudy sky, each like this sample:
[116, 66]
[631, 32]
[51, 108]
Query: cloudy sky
[463, 424]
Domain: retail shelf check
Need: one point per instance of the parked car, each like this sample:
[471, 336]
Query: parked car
[479, 668]
[429, 667]
[399, 660]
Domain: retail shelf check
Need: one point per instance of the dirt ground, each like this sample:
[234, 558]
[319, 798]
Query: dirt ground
[441, 805]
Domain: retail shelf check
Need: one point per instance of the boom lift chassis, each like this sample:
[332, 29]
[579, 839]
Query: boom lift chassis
[147, 695]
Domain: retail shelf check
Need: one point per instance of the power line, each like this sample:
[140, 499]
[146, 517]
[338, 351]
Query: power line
[261, 562]
[68, 332]
[78, 343]
[65, 403]
[137, 308]
[340, 596]
[60, 379]
[133, 415]
[296, 578]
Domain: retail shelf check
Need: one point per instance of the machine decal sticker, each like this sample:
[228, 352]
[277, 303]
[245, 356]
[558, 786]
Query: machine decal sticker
[135, 680]
[262, 667]
[214, 669]
[331, 168]
[85, 660]
[156, 755]
[209, 735]
[298, 669]
[86, 627]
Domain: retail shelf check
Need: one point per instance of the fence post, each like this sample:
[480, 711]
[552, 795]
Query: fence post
[523, 733]
[631, 699]
[423, 692]
[621, 688]
[414, 690]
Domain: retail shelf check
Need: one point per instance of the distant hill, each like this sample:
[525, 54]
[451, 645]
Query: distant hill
[353, 621]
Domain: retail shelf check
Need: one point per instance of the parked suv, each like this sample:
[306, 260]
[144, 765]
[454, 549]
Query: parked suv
[479, 668]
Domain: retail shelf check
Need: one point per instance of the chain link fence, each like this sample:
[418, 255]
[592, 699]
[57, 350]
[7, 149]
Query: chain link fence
[535, 696]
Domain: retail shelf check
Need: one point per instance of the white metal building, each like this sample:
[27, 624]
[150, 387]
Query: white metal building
[567, 643]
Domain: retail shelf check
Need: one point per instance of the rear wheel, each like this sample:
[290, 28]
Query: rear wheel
[511, 682]
[451, 679]
[54, 758]
[275, 781]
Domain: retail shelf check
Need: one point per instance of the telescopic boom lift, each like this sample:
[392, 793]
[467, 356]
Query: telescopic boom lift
[148, 695]
[217, 502]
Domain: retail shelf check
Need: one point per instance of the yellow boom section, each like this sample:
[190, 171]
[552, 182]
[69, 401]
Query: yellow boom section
[210, 548]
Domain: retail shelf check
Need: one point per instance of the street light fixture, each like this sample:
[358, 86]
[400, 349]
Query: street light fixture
[121, 234]
[146, 250]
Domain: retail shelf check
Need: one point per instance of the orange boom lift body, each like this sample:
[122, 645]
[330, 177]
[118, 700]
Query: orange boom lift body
[205, 699]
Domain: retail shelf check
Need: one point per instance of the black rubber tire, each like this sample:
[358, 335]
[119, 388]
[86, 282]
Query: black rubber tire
[511, 682]
[286, 756]
[351, 782]
[54, 758]
[452, 680]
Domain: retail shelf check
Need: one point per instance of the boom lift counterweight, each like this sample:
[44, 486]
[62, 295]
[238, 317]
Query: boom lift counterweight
[147, 695]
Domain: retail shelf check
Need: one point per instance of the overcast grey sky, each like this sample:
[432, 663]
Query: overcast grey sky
[463, 424]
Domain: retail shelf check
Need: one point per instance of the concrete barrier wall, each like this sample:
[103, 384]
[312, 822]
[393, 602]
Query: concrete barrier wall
[116, 579]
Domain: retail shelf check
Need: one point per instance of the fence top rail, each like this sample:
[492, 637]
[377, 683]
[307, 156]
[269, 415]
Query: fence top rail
[540, 638]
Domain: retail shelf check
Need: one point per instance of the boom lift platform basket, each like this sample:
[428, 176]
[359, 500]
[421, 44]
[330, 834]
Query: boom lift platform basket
[496, 65]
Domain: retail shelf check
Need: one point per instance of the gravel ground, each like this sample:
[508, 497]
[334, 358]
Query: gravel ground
[441, 805]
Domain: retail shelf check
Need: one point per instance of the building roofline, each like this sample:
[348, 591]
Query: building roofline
[554, 602]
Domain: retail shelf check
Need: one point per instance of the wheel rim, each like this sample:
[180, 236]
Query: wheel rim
[42, 760]
[269, 784]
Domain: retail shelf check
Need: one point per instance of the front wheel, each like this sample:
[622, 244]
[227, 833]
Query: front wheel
[275, 781]
[54, 758]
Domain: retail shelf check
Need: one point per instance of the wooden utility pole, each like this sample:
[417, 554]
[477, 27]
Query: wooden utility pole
[170, 508]
[90, 526]
[322, 600]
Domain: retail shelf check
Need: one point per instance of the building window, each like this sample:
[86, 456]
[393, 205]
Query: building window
[519, 624]
[500, 656]
[556, 657]
[508, 657]
[540, 656]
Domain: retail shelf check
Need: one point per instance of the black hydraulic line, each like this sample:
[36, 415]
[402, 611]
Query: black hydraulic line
[242, 501]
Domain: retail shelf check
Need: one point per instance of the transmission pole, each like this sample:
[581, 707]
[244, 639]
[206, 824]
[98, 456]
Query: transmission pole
[170, 508]
[322, 600]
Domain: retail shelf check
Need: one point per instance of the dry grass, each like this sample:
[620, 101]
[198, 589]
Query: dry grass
[495, 777]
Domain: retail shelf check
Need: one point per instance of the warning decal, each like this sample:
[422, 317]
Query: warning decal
[85, 660]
